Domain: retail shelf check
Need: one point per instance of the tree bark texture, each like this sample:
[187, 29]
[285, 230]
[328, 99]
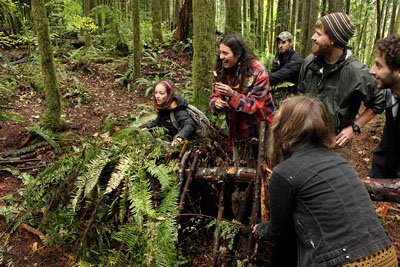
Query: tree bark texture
[204, 43]
[156, 21]
[233, 17]
[185, 22]
[137, 46]
[52, 117]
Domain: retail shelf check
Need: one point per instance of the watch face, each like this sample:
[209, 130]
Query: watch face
[356, 128]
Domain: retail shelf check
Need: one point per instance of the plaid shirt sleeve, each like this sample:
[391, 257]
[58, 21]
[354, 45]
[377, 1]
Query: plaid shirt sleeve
[211, 103]
[257, 97]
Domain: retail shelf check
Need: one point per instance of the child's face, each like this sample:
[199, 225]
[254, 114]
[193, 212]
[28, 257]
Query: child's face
[160, 94]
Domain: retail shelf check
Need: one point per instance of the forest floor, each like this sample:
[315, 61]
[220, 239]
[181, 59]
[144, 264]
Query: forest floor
[86, 120]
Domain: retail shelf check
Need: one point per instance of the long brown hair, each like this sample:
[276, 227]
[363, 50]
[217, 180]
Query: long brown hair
[243, 69]
[170, 95]
[300, 120]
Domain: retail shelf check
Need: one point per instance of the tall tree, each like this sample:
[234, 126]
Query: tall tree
[157, 20]
[396, 28]
[335, 6]
[52, 117]
[260, 19]
[137, 46]
[86, 10]
[233, 16]
[309, 16]
[295, 10]
[203, 50]
[281, 13]
[392, 22]
[185, 24]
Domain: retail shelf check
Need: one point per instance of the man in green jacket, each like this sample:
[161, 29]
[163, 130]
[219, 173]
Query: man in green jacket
[333, 74]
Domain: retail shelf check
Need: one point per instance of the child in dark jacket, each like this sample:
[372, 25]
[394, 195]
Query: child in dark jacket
[165, 103]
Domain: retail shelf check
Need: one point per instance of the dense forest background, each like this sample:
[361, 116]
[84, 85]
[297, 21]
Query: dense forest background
[76, 171]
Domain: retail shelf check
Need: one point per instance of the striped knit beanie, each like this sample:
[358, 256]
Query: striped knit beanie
[339, 27]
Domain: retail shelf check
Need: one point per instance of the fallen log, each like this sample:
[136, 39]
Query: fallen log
[387, 190]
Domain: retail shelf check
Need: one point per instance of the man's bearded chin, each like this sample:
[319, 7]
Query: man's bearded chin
[321, 50]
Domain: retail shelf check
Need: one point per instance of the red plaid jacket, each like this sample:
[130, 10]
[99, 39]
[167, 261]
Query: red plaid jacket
[252, 104]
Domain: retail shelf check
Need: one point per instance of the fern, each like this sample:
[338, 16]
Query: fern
[118, 176]
[45, 134]
[104, 187]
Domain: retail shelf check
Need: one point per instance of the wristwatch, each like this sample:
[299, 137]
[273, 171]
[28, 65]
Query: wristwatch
[356, 128]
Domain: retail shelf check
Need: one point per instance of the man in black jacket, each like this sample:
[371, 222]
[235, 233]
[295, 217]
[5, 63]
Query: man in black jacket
[386, 70]
[287, 63]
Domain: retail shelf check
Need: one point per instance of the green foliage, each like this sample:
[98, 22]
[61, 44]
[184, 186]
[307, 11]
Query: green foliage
[5, 249]
[98, 200]
[10, 116]
[46, 135]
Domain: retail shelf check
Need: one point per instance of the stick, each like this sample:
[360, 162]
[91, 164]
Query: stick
[256, 200]
[189, 180]
[32, 230]
[264, 195]
[221, 209]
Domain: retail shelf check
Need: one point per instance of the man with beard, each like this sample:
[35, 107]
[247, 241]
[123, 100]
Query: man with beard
[287, 63]
[386, 70]
[333, 74]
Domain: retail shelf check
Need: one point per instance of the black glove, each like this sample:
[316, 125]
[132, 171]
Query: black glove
[261, 230]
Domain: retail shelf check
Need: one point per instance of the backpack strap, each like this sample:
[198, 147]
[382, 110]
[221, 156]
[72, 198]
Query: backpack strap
[173, 120]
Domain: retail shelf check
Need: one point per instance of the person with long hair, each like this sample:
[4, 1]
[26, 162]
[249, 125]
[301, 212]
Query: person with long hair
[242, 91]
[319, 194]
[167, 102]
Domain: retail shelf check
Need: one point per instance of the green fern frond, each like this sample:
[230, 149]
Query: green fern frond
[47, 135]
[140, 197]
[118, 176]
[29, 149]
[163, 173]
[95, 167]
[86, 182]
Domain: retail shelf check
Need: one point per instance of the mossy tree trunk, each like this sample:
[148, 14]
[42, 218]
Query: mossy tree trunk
[137, 46]
[203, 50]
[156, 22]
[233, 16]
[86, 13]
[52, 117]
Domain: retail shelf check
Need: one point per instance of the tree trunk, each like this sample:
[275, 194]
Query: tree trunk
[185, 25]
[52, 117]
[86, 10]
[385, 11]
[396, 28]
[245, 25]
[137, 46]
[378, 13]
[335, 6]
[259, 36]
[309, 17]
[203, 50]
[233, 16]
[293, 24]
[391, 29]
[156, 22]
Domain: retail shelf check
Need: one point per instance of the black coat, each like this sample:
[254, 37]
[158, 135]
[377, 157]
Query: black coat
[286, 68]
[186, 124]
[386, 158]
